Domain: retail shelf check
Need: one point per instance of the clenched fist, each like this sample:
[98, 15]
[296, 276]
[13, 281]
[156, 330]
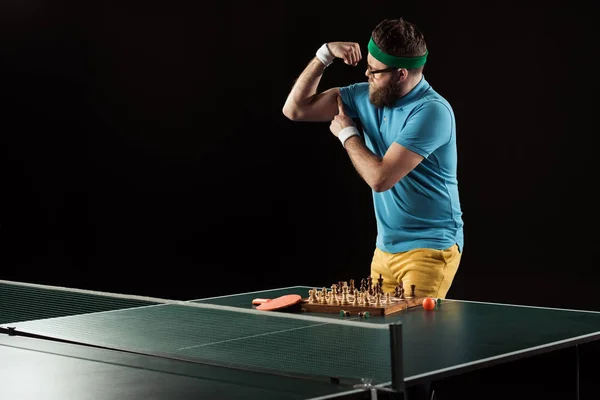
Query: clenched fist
[347, 51]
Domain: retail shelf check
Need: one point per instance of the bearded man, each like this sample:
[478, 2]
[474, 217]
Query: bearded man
[406, 152]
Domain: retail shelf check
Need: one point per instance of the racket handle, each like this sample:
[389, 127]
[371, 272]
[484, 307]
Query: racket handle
[259, 301]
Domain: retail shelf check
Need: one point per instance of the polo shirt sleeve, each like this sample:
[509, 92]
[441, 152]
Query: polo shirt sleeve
[428, 127]
[348, 94]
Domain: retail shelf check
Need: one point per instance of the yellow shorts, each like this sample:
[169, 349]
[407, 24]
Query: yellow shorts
[431, 271]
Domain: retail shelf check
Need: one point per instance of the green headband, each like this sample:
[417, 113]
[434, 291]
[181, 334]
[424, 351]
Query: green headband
[399, 62]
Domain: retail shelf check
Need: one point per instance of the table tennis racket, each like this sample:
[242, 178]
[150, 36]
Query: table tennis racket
[278, 303]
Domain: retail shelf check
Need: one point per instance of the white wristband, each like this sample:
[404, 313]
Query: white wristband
[324, 55]
[346, 133]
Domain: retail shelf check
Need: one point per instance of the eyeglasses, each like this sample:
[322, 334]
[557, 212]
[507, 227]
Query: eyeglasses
[379, 71]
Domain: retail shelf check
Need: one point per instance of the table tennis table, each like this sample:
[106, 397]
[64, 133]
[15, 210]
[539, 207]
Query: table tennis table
[101, 345]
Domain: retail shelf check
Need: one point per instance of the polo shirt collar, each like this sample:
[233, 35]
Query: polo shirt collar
[414, 94]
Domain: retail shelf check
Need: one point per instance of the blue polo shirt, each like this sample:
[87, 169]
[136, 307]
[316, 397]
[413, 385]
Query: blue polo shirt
[422, 210]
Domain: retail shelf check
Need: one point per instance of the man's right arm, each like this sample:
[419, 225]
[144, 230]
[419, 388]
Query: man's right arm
[303, 102]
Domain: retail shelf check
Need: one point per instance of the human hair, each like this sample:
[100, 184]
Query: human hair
[400, 38]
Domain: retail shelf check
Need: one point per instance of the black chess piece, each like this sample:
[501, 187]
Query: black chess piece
[400, 290]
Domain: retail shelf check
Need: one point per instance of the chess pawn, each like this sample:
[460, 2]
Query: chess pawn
[355, 299]
[388, 298]
[377, 299]
[333, 296]
[345, 300]
[365, 298]
[323, 296]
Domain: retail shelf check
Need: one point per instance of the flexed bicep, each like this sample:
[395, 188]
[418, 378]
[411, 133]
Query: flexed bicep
[323, 107]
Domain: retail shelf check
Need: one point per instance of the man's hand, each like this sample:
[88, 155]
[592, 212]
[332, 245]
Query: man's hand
[341, 120]
[347, 51]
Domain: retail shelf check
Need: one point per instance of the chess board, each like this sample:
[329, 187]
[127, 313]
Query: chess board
[356, 302]
[381, 309]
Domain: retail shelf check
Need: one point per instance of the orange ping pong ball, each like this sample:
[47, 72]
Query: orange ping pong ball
[428, 303]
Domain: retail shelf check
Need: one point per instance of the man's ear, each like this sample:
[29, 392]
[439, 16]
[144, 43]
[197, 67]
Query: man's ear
[402, 74]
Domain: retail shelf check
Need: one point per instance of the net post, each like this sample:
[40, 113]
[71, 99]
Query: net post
[397, 357]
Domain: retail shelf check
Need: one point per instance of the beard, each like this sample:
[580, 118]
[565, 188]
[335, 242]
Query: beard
[384, 96]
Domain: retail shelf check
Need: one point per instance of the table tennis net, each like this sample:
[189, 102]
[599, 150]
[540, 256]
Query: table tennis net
[272, 342]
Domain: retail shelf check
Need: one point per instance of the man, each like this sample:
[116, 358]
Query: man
[407, 153]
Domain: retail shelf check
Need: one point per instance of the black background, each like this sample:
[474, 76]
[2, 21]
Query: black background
[144, 150]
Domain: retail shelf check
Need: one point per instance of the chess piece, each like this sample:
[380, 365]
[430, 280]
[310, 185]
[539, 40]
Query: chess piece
[400, 290]
[388, 298]
[334, 298]
[312, 296]
[345, 301]
[412, 291]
